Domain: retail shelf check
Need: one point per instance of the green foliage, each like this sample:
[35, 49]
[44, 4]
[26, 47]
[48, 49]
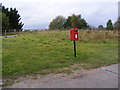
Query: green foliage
[67, 23]
[5, 21]
[74, 21]
[13, 17]
[83, 24]
[52, 25]
[57, 23]
[100, 27]
[109, 25]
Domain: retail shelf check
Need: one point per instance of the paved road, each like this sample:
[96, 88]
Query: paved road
[105, 77]
[10, 36]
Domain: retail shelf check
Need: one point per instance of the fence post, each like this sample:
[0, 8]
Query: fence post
[5, 33]
[14, 32]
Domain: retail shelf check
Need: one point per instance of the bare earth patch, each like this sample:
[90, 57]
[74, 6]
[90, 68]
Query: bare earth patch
[34, 81]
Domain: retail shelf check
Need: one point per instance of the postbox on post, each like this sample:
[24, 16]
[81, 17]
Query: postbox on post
[74, 37]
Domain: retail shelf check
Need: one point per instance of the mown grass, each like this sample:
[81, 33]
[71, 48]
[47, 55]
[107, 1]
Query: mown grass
[45, 52]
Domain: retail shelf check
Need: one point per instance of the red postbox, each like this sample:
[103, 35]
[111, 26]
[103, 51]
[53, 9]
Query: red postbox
[74, 34]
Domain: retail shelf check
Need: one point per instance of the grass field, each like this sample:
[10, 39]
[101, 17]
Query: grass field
[44, 52]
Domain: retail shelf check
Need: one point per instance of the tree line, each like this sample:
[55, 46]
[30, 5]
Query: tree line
[73, 21]
[110, 25]
[11, 19]
[76, 21]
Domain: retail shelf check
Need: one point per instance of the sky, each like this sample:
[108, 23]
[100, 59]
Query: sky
[37, 14]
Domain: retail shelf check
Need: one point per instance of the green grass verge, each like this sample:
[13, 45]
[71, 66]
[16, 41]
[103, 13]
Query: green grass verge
[47, 51]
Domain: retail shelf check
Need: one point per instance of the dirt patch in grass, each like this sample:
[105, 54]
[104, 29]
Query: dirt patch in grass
[30, 80]
[64, 73]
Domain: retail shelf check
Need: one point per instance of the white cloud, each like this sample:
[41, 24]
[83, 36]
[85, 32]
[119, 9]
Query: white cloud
[38, 13]
[59, 1]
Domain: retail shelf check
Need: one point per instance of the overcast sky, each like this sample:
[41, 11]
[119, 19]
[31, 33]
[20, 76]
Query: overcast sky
[37, 14]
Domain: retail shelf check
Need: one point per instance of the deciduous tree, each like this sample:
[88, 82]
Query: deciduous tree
[57, 23]
[75, 21]
[67, 23]
[100, 27]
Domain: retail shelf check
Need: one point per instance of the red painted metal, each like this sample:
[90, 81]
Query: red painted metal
[74, 34]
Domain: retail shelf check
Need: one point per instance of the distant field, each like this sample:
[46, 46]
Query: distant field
[44, 52]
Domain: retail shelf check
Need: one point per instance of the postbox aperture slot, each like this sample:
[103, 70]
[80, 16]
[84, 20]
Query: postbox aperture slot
[75, 30]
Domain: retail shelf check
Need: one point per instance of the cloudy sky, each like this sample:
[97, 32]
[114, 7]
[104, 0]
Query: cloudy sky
[37, 14]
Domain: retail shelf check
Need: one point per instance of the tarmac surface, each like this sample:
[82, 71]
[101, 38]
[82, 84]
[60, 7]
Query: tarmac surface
[104, 77]
[10, 36]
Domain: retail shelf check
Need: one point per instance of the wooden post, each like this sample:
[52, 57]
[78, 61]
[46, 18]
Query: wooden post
[5, 33]
[14, 31]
